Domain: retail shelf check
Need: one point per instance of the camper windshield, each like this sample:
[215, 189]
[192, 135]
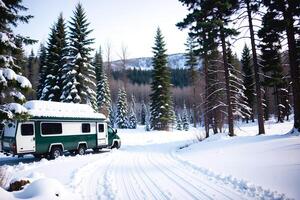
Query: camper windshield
[10, 129]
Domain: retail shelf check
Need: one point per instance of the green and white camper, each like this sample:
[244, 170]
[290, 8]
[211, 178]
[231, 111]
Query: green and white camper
[55, 127]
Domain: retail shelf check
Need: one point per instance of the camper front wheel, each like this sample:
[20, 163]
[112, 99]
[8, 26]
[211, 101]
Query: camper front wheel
[56, 152]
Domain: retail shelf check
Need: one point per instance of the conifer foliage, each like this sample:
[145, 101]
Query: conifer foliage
[42, 70]
[55, 61]
[248, 81]
[161, 102]
[79, 83]
[12, 83]
[122, 109]
[103, 90]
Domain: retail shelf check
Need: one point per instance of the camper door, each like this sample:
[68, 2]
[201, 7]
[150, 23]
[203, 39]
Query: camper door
[101, 134]
[25, 137]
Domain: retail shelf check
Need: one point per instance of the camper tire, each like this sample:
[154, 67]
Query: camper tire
[116, 145]
[81, 149]
[55, 152]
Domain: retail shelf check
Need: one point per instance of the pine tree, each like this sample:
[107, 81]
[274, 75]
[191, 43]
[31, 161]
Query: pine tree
[42, 70]
[240, 105]
[161, 102]
[208, 21]
[248, 80]
[122, 109]
[12, 83]
[143, 113]
[79, 84]
[132, 120]
[185, 119]
[179, 123]
[103, 90]
[271, 63]
[191, 63]
[55, 61]
[286, 12]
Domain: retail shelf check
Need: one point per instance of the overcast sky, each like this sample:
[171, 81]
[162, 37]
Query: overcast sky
[130, 23]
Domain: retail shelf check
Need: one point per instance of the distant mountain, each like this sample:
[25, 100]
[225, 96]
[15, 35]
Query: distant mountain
[175, 61]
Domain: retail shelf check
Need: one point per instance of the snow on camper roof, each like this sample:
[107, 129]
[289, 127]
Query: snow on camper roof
[39, 108]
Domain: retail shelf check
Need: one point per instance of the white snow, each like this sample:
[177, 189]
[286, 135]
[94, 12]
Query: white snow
[172, 165]
[44, 188]
[57, 109]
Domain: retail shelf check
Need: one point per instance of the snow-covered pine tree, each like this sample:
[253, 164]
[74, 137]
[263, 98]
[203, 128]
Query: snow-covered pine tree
[178, 123]
[248, 81]
[161, 100]
[132, 120]
[185, 119]
[55, 61]
[122, 109]
[12, 83]
[103, 90]
[112, 115]
[239, 102]
[143, 113]
[42, 70]
[79, 83]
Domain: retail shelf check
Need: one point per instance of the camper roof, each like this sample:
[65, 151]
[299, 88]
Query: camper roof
[39, 108]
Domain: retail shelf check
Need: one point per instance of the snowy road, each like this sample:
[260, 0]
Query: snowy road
[147, 166]
[146, 173]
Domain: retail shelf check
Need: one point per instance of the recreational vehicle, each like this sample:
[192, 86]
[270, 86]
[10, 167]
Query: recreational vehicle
[55, 127]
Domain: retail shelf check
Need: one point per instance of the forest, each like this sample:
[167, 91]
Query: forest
[261, 83]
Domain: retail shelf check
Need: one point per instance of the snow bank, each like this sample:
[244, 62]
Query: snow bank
[270, 161]
[57, 109]
[44, 188]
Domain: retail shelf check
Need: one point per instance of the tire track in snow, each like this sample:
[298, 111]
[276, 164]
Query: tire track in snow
[195, 193]
[156, 192]
[240, 186]
[86, 179]
[200, 180]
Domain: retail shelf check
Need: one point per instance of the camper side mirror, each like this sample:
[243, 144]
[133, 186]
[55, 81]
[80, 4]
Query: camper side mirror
[116, 131]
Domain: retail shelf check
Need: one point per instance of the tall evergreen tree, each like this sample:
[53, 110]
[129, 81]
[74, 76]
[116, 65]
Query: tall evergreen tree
[248, 80]
[79, 84]
[55, 61]
[271, 63]
[191, 63]
[287, 13]
[161, 103]
[42, 70]
[209, 21]
[12, 83]
[103, 90]
[240, 105]
[122, 109]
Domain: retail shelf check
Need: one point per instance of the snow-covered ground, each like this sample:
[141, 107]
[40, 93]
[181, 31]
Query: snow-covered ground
[170, 165]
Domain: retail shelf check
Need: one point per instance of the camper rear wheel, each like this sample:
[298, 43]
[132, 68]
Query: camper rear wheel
[81, 149]
[55, 152]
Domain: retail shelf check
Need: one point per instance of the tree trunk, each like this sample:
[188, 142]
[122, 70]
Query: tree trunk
[260, 113]
[228, 93]
[294, 68]
[206, 124]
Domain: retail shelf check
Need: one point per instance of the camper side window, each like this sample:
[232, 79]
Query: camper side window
[26, 129]
[51, 128]
[101, 128]
[86, 128]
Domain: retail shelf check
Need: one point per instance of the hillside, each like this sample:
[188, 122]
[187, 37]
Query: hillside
[175, 61]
